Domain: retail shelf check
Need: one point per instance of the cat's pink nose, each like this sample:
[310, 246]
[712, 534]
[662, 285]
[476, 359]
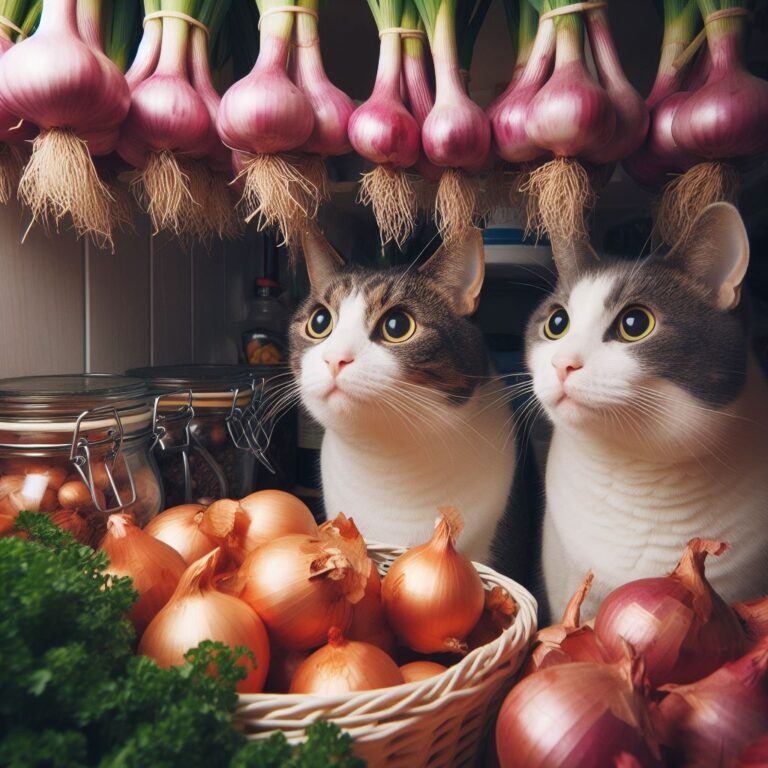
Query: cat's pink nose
[336, 362]
[565, 368]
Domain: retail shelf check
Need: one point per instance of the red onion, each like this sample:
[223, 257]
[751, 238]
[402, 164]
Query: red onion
[678, 623]
[383, 131]
[511, 139]
[147, 54]
[630, 109]
[580, 714]
[754, 617]
[709, 722]
[569, 640]
[755, 755]
[726, 117]
[55, 81]
[331, 107]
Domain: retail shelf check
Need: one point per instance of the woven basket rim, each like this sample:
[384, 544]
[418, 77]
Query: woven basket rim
[505, 644]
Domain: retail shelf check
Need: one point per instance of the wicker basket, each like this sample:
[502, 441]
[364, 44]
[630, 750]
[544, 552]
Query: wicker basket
[438, 722]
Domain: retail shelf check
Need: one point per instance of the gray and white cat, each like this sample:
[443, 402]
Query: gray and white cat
[389, 364]
[660, 416]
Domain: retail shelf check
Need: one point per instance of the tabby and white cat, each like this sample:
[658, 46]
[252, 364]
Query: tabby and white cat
[660, 416]
[389, 364]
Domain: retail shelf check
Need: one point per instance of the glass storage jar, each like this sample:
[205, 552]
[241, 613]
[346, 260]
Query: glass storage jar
[205, 417]
[79, 448]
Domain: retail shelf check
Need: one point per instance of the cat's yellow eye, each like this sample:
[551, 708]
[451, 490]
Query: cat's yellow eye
[635, 323]
[397, 326]
[320, 322]
[557, 324]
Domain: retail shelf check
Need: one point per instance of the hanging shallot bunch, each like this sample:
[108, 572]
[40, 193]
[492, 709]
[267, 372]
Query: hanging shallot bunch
[77, 98]
[383, 131]
[722, 122]
[266, 119]
[586, 122]
[659, 156]
[169, 122]
[15, 17]
[456, 134]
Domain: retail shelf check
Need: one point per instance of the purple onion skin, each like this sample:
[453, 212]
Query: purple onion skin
[508, 115]
[54, 80]
[10, 130]
[382, 130]
[332, 107]
[727, 116]
[147, 54]
[265, 113]
[571, 114]
[631, 112]
[420, 100]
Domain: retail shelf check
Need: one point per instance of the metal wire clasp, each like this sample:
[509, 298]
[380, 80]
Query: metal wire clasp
[245, 427]
[80, 456]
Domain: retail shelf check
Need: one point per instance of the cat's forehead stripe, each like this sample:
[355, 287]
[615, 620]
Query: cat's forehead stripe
[590, 297]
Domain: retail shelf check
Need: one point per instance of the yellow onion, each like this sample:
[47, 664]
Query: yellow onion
[26, 492]
[301, 586]
[265, 516]
[192, 529]
[421, 670]
[432, 595]
[154, 566]
[72, 521]
[197, 611]
[55, 475]
[368, 622]
[754, 617]
[343, 666]
[74, 494]
[499, 612]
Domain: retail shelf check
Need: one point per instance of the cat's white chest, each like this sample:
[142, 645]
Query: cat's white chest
[627, 519]
[394, 495]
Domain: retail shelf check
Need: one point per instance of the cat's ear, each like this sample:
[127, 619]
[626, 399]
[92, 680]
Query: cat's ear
[572, 257]
[716, 252]
[459, 267]
[323, 262]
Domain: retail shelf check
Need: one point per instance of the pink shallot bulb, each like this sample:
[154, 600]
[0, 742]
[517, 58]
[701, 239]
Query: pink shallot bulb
[167, 114]
[571, 114]
[382, 130]
[265, 113]
[331, 107]
[726, 117]
[54, 80]
[509, 116]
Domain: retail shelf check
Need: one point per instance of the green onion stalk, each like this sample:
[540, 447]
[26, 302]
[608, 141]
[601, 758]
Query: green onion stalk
[386, 133]
[14, 134]
[722, 123]
[456, 135]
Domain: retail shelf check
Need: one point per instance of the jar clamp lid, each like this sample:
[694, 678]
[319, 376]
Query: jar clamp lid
[99, 411]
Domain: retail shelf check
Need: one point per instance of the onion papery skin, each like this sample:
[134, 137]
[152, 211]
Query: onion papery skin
[632, 118]
[299, 590]
[197, 612]
[679, 625]
[569, 640]
[433, 596]
[368, 621]
[344, 666]
[331, 107]
[709, 722]
[754, 617]
[154, 567]
[167, 114]
[179, 527]
[726, 117]
[264, 516]
[499, 612]
[577, 715]
[265, 113]
[54, 80]
[382, 130]
[509, 115]
[415, 671]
